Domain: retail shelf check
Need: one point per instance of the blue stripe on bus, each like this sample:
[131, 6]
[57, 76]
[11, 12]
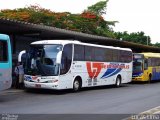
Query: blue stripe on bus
[110, 72]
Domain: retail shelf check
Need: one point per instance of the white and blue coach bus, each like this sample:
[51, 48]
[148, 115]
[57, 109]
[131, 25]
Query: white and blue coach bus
[62, 64]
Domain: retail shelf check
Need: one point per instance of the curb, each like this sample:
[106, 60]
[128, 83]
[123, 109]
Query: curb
[5, 92]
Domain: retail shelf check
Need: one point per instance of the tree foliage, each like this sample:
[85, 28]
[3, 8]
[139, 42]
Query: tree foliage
[86, 22]
[98, 8]
[89, 21]
[136, 37]
[156, 44]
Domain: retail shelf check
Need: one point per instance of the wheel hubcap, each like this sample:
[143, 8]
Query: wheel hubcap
[76, 85]
[118, 82]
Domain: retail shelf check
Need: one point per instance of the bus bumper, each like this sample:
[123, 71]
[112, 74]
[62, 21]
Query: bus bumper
[134, 79]
[53, 86]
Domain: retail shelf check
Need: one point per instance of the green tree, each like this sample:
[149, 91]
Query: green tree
[136, 37]
[103, 27]
[98, 8]
[156, 44]
[87, 22]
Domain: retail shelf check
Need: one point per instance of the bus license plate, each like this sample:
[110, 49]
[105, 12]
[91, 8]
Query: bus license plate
[37, 85]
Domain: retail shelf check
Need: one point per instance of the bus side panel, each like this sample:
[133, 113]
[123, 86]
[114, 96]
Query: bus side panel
[5, 78]
[65, 81]
[155, 73]
[145, 76]
[114, 69]
[77, 69]
[97, 74]
[126, 76]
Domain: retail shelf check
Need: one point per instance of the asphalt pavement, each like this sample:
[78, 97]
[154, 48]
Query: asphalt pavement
[127, 100]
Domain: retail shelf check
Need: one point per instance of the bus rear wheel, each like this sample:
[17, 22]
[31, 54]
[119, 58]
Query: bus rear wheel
[76, 85]
[118, 81]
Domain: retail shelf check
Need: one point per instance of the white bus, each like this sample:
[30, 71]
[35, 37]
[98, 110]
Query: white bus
[62, 64]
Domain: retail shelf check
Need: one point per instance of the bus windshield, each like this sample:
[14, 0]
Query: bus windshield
[137, 65]
[41, 60]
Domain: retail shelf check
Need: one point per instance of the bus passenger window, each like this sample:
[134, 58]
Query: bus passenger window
[145, 64]
[66, 59]
[3, 51]
[89, 53]
[78, 52]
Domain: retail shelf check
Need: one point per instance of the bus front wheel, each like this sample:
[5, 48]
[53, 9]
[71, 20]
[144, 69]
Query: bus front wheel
[76, 85]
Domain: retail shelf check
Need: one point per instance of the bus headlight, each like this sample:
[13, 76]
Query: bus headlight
[52, 81]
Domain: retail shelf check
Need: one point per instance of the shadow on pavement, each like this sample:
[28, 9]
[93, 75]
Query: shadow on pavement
[67, 91]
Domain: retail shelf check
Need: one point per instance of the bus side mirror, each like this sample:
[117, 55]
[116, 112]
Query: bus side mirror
[59, 56]
[20, 55]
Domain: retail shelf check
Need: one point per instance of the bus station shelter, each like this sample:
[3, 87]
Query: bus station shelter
[23, 33]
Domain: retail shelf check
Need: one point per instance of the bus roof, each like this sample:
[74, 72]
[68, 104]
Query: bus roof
[64, 42]
[150, 54]
[4, 37]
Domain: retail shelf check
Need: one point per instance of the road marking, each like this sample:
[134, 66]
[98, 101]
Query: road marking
[157, 112]
[152, 111]
[153, 114]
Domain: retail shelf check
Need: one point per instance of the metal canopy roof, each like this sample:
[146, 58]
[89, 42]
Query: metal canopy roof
[14, 27]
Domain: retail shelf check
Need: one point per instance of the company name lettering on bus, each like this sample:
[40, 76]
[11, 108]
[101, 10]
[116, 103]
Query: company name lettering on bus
[94, 68]
[115, 65]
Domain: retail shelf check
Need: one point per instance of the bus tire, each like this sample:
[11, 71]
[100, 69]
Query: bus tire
[118, 81]
[77, 84]
[149, 78]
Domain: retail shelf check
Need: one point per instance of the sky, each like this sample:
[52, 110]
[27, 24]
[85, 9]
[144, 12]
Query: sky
[132, 15]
